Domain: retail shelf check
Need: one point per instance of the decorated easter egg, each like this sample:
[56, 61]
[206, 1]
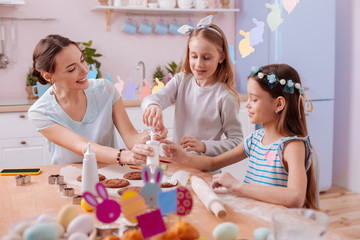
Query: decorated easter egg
[132, 205]
[78, 236]
[45, 218]
[226, 231]
[21, 227]
[184, 201]
[41, 231]
[261, 233]
[86, 206]
[83, 223]
[66, 215]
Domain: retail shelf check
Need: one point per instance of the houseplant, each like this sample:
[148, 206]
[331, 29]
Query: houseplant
[91, 55]
[30, 82]
[158, 73]
[172, 68]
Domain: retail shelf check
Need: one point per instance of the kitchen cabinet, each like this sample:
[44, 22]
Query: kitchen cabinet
[158, 11]
[20, 144]
[11, 3]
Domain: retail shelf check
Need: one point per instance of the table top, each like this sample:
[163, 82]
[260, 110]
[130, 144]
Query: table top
[39, 197]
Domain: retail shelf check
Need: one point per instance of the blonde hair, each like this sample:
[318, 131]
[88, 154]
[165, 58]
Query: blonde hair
[224, 72]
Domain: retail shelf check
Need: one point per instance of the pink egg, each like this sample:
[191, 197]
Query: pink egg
[83, 223]
[184, 201]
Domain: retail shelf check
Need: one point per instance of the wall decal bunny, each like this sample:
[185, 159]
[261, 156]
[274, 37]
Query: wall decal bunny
[151, 189]
[108, 210]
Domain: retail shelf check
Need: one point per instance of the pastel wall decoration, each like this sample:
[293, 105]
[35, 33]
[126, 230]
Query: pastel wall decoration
[167, 202]
[145, 91]
[151, 223]
[151, 189]
[108, 210]
[244, 45]
[184, 201]
[170, 75]
[130, 90]
[158, 86]
[274, 17]
[108, 77]
[119, 85]
[92, 72]
[132, 205]
[256, 33]
[232, 53]
[289, 5]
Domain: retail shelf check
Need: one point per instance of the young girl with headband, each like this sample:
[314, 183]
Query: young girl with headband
[280, 169]
[204, 94]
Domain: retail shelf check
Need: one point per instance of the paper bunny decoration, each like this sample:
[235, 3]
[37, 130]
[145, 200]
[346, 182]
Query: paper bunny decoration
[274, 17]
[92, 72]
[151, 189]
[130, 90]
[256, 34]
[244, 45]
[108, 210]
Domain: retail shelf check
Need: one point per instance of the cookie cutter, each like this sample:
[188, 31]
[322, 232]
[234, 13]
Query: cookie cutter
[19, 180]
[60, 179]
[52, 179]
[27, 179]
[62, 186]
[77, 200]
[101, 231]
[68, 192]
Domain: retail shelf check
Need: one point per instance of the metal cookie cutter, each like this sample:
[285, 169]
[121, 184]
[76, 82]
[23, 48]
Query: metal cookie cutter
[68, 192]
[19, 180]
[77, 200]
[60, 179]
[52, 178]
[62, 186]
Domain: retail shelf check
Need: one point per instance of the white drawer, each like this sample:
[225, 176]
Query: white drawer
[15, 125]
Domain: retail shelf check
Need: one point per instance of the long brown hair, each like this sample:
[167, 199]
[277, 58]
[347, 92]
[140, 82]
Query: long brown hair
[45, 53]
[224, 72]
[292, 120]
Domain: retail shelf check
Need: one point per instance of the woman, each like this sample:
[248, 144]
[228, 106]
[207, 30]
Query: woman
[76, 110]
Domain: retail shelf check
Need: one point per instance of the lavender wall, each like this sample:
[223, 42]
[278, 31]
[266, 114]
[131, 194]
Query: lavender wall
[76, 20]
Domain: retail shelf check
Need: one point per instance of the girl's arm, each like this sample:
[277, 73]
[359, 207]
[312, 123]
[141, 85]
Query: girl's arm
[201, 162]
[291, 196]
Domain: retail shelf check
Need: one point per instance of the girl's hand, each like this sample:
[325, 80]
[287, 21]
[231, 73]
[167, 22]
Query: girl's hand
[224, 180]
[161, 133]
[192, 144]
[152, 116]
[137, 155]
[174, 152]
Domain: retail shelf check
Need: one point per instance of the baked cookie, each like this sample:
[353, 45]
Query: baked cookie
[131, 188]
[115, 183]
[101, 177]
[168, 185]
[133, 175]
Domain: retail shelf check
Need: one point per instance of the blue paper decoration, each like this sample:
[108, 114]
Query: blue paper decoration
[167, 201]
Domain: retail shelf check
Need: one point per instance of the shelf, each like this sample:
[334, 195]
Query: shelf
[146, 11]
[11, 3]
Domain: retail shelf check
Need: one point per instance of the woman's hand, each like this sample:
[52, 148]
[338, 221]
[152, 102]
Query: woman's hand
[137, 155]
[152, 116]
[174, 152]
[192, 144]
[224, 179]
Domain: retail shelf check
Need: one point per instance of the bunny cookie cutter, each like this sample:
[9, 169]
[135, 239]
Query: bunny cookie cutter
[108, 210]
[151, 189]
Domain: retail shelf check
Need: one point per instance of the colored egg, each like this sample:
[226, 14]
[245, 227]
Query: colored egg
[45, 218]
[41, 231]
[78, 236]
[66, 215]
[86, 206]
[132, 205]
[226, 231]
[83, 223]
[21, 227]
[59, 229]
[184, 201]
[12, 236]
[262, 233]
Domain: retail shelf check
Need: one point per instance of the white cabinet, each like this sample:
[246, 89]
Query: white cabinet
[20, 144]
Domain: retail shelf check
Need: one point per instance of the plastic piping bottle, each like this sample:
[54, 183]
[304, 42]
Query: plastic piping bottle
[89, 172]
[153, 162]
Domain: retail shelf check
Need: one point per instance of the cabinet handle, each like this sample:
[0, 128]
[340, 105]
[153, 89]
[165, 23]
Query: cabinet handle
[23, 142]
[22, 116]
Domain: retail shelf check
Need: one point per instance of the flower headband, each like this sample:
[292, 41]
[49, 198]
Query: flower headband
[203, 23]
[289, 87]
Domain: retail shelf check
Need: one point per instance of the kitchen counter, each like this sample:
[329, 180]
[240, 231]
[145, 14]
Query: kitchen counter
[23, 105]
[22, 202]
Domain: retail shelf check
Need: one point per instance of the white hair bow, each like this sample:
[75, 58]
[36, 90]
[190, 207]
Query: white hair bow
[203, 23]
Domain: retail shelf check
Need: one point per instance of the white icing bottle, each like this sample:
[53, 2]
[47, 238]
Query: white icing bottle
[89, 172]
[153, 162]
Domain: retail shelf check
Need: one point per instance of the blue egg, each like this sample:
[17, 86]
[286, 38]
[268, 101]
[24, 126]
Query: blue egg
[262, 233]
[226, 231]
[41, 231]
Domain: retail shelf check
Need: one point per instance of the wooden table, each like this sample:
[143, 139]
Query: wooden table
[21, 202]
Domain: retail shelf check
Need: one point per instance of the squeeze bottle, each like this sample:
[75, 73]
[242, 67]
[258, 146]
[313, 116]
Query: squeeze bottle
[89, 172]
[153, 162]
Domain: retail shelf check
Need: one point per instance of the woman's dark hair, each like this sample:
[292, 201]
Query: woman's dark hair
[291, 121]
[45, 53]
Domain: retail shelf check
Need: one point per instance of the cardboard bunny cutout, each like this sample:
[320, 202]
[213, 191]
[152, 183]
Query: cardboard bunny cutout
[108, 210]
[151, 189]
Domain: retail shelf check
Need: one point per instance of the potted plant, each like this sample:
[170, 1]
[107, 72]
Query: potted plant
[159, 74]
[91, 55]
[30, 82]
[172, 68]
